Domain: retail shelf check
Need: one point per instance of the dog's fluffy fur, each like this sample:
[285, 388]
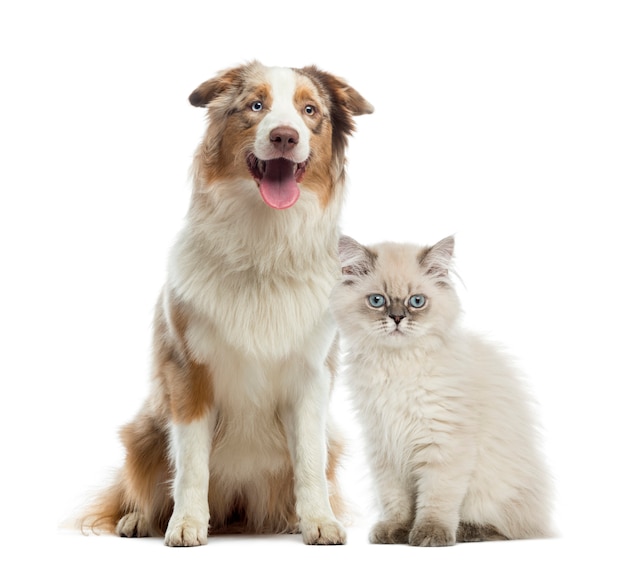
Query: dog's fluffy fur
[243, 339]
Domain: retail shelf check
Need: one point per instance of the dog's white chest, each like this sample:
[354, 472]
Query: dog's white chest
[270, 320]
[260, 288]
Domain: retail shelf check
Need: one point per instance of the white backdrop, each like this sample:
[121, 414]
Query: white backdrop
[501, 122]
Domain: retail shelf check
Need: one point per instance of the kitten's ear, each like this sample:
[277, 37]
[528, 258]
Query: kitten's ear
[356, 259]
[438, 258]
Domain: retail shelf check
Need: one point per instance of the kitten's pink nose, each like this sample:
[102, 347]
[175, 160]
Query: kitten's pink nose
[395, 318]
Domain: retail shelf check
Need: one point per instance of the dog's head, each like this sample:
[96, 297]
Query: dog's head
[282, 127]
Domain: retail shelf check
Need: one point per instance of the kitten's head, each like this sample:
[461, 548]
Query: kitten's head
[395, 294]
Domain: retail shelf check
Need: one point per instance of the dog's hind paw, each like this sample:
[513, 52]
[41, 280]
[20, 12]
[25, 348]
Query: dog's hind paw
[132, 525]
[327, 531]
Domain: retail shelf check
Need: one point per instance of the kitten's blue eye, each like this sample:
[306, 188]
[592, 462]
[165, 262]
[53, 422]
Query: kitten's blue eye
[257, 106]
[417, 301]
[376, 300]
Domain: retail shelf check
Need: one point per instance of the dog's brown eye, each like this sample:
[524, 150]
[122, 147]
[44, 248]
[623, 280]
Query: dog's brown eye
[309, 110]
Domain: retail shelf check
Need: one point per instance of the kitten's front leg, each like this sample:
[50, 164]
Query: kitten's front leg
[441, 490]
[191, 443]
[398, 503]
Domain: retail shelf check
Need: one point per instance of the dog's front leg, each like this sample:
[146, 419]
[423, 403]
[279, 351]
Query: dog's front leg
[190, 449]
[307, 436]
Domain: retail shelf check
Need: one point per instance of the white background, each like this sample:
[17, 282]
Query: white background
[501, 122]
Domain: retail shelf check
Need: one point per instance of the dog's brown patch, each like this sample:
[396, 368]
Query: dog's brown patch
[187, 383]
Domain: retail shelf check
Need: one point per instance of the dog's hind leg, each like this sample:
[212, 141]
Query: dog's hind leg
[133, 525]
[146, 478]
[139, 502]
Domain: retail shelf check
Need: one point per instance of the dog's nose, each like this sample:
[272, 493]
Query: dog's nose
[284, 138]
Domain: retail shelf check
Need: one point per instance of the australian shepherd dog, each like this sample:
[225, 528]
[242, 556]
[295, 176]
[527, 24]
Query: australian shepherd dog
[235, 431]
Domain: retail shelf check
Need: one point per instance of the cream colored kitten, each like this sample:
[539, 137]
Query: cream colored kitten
[448, 426]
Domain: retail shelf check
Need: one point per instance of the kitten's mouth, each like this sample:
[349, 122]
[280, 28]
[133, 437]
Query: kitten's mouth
[277, 179]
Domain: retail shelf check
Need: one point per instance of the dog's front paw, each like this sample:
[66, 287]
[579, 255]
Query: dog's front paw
[431, 533]
[186, 530]
[323, 531]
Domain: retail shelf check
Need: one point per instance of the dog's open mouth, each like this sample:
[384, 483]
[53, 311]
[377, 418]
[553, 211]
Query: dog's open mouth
[277, 179]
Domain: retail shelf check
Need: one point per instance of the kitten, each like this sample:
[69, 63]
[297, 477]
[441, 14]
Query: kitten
[447, 423]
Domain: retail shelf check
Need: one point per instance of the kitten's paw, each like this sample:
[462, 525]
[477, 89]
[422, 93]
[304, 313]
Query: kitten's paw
[472, 532]
[323, 531]
[186, 530]
[132, 525]
[430, 533]
[390, 532]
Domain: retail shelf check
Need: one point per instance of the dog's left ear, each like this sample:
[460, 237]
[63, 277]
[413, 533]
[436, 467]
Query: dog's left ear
[348, 97]
[212, 88]
[340, 92]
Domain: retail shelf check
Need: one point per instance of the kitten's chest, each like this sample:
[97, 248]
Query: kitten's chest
[406, 406]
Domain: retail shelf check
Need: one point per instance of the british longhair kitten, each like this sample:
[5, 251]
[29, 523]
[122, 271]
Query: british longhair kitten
[446, 419]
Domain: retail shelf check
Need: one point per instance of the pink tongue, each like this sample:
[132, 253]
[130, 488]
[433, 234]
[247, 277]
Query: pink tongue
[278, 185]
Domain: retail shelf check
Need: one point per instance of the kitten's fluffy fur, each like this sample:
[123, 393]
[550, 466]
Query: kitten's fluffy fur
[450, 436]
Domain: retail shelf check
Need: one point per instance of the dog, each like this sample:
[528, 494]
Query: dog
[235, 431]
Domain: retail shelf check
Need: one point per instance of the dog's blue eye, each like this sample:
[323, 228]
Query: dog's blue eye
[309, 110]
[417, 301]
[376, 300]
[257, 106]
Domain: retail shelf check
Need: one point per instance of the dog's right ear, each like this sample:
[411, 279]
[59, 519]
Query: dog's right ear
[212, 88]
